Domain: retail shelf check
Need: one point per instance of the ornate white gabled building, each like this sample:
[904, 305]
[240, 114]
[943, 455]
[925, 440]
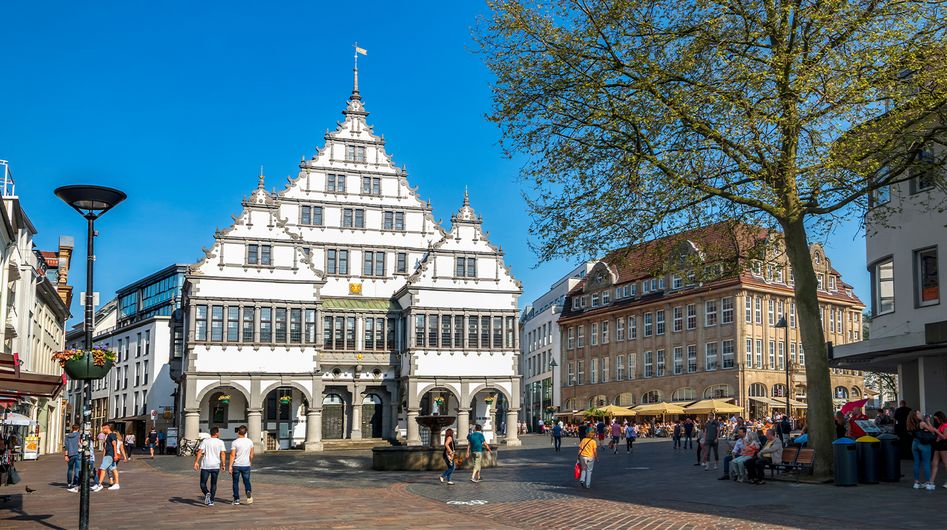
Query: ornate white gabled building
[338, 308]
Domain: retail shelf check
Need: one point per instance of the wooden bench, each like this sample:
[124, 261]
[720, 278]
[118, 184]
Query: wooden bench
[788, 462]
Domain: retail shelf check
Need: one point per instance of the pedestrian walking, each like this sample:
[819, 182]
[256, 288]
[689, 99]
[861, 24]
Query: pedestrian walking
[476, 445]
[630, 436]
[241, 458]
[616, 436]
[600, 430]
[557, 436]
[73, 459]
[111, 453]
[688, 433]
[711, 435]
[588, 455]
[129, 446]
[152, 442]
[676, 434]
[448, 455]
[211, 455]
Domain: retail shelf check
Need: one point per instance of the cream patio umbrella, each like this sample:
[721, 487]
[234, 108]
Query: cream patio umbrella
[712, 406]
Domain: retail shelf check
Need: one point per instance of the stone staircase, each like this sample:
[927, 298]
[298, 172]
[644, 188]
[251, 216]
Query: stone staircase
[349, 445]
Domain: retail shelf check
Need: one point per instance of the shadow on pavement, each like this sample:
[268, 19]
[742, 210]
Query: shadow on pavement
[189, 502]
[14, 503]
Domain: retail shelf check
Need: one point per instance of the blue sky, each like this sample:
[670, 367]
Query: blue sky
[179, 104]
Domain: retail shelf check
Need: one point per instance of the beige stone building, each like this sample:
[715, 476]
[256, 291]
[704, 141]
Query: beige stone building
[694, 316]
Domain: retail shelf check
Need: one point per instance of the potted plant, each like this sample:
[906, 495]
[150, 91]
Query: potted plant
[224, 399]
[86, 365]
[285, 400]
[489, 399]
[439, 401]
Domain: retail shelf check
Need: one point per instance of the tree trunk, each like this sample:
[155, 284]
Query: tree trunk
[818, 381]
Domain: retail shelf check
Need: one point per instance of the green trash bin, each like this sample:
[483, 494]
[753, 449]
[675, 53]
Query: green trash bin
[846, 464]
[890, 468]
[868, 453]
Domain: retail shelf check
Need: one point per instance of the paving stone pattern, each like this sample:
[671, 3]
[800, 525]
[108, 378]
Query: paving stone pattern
[655, 487]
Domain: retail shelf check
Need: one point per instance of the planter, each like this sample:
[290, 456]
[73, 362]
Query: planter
[83, 369]
[223, 401]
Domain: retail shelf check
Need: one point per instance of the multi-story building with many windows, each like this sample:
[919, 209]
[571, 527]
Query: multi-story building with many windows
[540, 348]
[693, 316]
[143, 326]
[338, 308]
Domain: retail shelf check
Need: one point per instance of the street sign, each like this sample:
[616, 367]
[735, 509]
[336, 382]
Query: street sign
[154, 414]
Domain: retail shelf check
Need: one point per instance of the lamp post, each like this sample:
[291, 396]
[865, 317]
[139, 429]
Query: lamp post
[552, 398]
[91, 202]
[783, 324]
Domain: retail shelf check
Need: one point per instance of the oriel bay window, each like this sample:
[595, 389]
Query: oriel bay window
[217, 323]
[233, 323]
[446, 333]
[280, 324]
[432, 321]
[200, 323]
[349, 333]
[473, 333]
[458, 331]
[295, 325]
[248, 324]
[310, 326]
[497, 332]
[484, 332]
[419, 327]
[266, 324]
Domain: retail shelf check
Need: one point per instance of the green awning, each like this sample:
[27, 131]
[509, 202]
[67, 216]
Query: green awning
[360, 304]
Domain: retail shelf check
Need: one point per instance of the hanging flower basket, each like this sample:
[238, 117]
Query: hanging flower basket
[224, 399]
[489, 400]
[286, 400]
[550, 409]
[439, 401]
[86, 365]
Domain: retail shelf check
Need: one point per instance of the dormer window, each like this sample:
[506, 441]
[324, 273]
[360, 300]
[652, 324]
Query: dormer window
[645, 289]
[584, 302]
[259, 254]
[832, 285]
[355, 153]
[595, 300]
[757, 268]
[575, 306]
[465, 267]
[606, 297]
[335, 183]
[676, 281]
[634, 289]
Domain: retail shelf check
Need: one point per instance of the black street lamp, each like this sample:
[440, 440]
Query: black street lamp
[91, 202]
[552, 398]
[783, 324]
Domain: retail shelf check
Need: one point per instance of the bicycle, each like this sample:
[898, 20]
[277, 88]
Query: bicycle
[188, 447]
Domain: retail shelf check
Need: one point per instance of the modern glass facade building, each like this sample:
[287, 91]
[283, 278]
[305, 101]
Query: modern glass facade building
[155, 295]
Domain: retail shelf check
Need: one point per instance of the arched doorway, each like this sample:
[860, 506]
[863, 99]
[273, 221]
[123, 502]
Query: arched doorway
[371, 416]
[333, 417]
[280, 417]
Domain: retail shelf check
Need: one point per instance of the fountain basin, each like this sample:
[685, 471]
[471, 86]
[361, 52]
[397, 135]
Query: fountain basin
[421, 458]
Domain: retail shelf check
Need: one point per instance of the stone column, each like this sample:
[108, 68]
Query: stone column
[356, 412]
[463, 425]
[512, 437]
[314, 429]
[192, 424]
[414, 434]
[255, 429]
[393, 421]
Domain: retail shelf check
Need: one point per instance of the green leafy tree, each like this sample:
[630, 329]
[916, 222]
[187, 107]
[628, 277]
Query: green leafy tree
[640, 118]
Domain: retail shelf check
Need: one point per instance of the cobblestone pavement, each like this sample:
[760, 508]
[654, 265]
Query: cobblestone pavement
[655, 487]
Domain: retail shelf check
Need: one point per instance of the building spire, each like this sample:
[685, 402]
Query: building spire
[466, 197]
[358, 51]
[260, 183]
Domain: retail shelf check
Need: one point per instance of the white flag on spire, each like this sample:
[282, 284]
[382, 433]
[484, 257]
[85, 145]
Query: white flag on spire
[362, 51]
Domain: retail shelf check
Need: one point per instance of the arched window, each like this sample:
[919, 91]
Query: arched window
[684, 394]
[779, 390]
[371, 399]
[626, 399]
[856, 393]
[721, 391]
[654, 396]
[841, 392]
[570, 404]
[757, 390]
[598, 401]
[332, 399]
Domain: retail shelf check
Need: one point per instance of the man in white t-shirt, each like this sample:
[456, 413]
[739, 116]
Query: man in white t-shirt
[241, 457]
[211, 456]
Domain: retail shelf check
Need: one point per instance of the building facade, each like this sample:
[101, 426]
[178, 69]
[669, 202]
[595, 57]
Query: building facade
[540, 348]
[905, 232]
[338, 309]
[694, 316]
[34, 314]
